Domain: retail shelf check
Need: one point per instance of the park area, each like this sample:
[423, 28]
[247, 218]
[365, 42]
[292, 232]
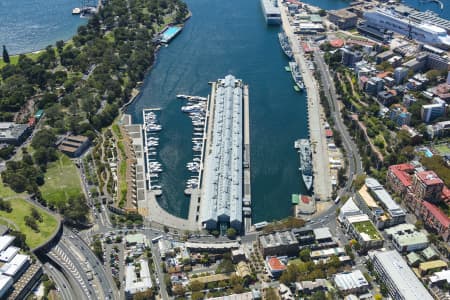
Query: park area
[62, 181]
[16, 221]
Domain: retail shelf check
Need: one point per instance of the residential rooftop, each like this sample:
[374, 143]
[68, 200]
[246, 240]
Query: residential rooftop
[367, 230]
[400, 275]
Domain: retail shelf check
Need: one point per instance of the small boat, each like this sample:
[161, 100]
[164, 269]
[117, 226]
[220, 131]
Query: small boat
[287, 68]
[296, 88]
[76, 11]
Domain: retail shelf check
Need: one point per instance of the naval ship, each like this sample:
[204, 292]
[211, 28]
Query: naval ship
[304, 150]
[284, 42]
[296, 75]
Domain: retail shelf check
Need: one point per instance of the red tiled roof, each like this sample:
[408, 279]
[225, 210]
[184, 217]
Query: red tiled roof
[429, 178]
[383, 74]
[31, 121]
[305, 199]
[337, 43]
[400, 171]
[437, 213]
[275, 264]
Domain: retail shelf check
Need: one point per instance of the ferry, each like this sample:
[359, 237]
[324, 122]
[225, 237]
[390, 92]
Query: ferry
[304, 149]
[284, 43]
[296, 75]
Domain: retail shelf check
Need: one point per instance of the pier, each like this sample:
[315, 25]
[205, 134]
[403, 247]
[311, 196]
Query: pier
[322, 179]
[247, 179]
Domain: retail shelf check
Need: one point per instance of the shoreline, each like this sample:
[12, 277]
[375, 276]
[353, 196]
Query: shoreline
[137, 88]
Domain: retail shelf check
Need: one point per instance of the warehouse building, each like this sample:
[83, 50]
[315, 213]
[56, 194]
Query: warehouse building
[12, 133]
[351, 282]
[279, 244]
[222, 183]
[399, 279]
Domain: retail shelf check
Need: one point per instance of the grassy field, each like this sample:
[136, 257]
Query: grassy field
[61, 181]
[5, 191]
[368, 228]
[20, 209]
[15, 58]
[442, 149]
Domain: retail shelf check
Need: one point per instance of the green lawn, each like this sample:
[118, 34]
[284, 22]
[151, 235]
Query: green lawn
[368, 228]
[22, 208]
[15, 58]
[5, 191]
[61, 181]
[442, 149]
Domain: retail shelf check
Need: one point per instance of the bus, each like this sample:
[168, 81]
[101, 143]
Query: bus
[156, 239]
[338, 198]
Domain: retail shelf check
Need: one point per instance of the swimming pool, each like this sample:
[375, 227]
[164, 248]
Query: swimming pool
[170, 33]
[427, 152]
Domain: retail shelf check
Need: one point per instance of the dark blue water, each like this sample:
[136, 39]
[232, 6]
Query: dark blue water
[218, 40]
[30, 25]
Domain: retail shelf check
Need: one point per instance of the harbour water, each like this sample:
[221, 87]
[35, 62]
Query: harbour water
[31, 25]
[213, 44]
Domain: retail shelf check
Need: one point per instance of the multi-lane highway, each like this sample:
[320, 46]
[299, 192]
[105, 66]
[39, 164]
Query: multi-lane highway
[105, 283]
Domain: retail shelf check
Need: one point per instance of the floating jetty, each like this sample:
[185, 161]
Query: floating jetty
[196, 108]
[153, 168]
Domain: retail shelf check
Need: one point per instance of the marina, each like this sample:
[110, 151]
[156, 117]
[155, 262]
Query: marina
[195, 108]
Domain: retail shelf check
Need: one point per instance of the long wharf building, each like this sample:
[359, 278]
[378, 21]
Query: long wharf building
[222, 188]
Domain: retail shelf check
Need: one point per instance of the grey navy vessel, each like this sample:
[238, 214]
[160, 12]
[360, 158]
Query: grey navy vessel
[304, 150]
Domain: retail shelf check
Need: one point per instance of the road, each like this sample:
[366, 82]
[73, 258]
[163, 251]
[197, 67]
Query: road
[355, 166]
[105, 282]
[64, 289]
[159, 273]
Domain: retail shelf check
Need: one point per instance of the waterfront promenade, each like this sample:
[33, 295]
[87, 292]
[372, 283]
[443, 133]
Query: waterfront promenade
[322, 178]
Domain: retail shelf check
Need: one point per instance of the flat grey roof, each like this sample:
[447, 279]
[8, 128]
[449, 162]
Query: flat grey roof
[384, 197]
[401, 276]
